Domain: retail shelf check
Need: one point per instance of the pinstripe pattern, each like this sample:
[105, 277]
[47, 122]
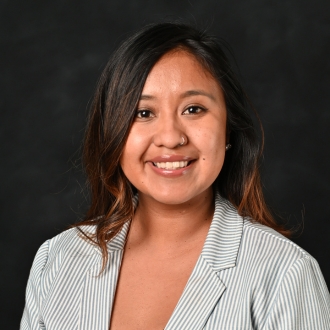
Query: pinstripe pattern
[247, 277]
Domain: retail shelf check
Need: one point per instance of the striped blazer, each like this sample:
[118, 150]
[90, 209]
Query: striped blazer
[247, 277]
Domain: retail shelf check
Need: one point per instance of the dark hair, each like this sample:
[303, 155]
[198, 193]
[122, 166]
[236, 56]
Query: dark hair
[112, 113]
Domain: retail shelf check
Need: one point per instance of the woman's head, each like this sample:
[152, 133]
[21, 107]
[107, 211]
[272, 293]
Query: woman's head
[176, 145]
[114, 110]
[119, 92]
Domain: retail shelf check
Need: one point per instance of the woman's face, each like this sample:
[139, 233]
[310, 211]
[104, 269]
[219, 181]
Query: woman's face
[180, 99]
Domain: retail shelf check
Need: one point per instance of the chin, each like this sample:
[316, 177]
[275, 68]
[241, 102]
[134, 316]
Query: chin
[169, 199]
[174, 198]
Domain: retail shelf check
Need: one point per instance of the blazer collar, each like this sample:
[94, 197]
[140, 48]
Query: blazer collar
[118, 242]
[223, 240]
[224, 237]
[203, 289]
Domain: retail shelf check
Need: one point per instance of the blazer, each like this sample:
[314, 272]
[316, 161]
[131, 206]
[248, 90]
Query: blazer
[247, 277]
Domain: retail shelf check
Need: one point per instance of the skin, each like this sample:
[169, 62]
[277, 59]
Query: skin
[167, 233]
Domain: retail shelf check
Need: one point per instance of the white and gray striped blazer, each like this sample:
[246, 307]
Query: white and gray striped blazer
[247, 277]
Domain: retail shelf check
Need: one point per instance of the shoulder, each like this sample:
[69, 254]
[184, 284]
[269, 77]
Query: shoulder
[274, 261]
[287, 277]
[265, 241]
[66, 245]
[69, 243]
[264, 257]
[247, 243]
[277, 280]
[68, 254]
[252, 235]
[73, 240]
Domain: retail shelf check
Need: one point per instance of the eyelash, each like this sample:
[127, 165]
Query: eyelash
[140, 112]
[194, 107]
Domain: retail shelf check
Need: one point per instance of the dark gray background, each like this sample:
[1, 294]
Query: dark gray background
[52, 53]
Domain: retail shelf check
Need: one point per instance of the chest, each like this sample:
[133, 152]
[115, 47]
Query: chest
[80, 299]
[149, 288]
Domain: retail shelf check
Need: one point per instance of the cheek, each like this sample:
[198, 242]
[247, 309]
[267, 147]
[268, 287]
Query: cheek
[212, 143]
[135, 147]
[134, 144]
[211, 140]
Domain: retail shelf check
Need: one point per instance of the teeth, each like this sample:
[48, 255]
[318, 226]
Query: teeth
[171, 165]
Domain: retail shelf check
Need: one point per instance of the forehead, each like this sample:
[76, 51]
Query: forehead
[180, 59]
[177, 70]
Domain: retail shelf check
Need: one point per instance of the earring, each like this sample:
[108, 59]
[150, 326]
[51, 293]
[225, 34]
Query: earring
[183, 141]
[228, 146]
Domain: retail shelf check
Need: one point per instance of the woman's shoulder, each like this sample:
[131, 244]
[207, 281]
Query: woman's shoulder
[69, 243]
[253, 238]
[58, 259]
[270, 254]
[278, 272]
[74, 240]
[257, 235]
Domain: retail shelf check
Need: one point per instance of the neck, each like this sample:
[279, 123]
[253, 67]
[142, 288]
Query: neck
[169, 225]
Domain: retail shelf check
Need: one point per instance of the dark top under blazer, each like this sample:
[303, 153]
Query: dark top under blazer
[247, 277]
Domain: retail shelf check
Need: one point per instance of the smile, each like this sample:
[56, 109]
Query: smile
[171, 165]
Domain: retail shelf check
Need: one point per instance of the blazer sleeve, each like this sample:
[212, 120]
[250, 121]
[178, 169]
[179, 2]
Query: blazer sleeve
[303, 300]
[31, 319]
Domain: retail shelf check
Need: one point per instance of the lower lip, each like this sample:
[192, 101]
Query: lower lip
[171, 173]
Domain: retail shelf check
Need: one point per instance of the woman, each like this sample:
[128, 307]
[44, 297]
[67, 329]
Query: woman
[178, 235]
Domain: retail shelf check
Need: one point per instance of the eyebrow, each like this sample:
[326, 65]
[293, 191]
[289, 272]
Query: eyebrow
[147, 97]
[197, 92]
[183, 95]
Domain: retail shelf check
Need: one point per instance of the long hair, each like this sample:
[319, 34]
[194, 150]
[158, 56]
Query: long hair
[112, 113]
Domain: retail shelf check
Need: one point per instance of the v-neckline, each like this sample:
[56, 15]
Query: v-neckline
[204, 287]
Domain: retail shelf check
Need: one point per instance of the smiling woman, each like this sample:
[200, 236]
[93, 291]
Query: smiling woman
[178, 235]
[180, 101]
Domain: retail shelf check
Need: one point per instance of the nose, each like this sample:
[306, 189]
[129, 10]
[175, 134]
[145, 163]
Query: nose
[169, 132]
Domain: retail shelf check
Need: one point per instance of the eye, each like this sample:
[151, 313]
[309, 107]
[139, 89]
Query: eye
[144, 114]
[193, 110]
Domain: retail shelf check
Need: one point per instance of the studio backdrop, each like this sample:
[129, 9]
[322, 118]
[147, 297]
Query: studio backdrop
[52, 53]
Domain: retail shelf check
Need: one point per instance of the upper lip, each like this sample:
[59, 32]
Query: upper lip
[170, 158]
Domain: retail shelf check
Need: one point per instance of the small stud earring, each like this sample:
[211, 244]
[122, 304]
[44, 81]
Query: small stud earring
[228, 146]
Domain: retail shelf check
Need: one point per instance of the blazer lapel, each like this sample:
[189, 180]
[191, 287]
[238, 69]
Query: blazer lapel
[204, 287]
[100, 288]
[200, 295]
